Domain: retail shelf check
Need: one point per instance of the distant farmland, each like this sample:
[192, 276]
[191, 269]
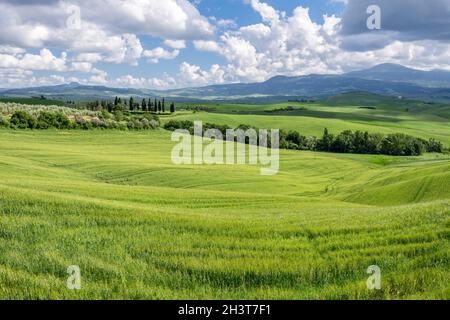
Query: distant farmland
[33, 101]
[139, 227]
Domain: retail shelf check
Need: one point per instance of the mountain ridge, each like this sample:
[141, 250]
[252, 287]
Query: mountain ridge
[386, 79]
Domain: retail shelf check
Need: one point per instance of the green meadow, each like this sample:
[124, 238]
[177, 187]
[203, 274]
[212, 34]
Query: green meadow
[363, 112]
[140, 227]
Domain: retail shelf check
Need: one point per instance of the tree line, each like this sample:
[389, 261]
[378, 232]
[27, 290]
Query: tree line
[124, 104]
[45, 120]
[358, 142]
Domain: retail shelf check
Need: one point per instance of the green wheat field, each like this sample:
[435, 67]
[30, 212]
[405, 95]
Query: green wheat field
[140, 227]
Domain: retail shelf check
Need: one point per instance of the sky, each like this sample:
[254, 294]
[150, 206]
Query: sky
[179, 43]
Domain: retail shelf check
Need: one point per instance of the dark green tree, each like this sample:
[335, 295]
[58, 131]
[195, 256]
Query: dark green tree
[400, 144]
[110, 106]
[326, 142]
[46, 120]
[62, 121]
[131, 104]
[172, 107]
[151, 107]
[435, 146]
[343, 143]
[360, 142]
[23, 120]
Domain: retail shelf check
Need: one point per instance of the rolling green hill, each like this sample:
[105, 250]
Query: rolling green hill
[140, 227]
[372, 113]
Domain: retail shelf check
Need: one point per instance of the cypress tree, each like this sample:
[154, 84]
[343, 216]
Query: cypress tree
[159, 106]
[172, 107]
[144, 105]
[164, 105]
[131, 104]
[327, 141]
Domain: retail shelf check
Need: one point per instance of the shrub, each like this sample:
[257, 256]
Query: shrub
[112, 124]
[151, 117]
[360, 142]
[106, 115]
[374, 143]
[145, 124]
[96, 123]
[130, 125]
[3, 122]
[310, 143]
[62, 121]
[122, 126]
[46, 120]
[137, 124]
[154, 124]
[118, 116]
[343, 143]
[23, 120]
[402, 145]
[435, 146]
[173, 125]
[81, 123]
[222, 128]
[326, 142]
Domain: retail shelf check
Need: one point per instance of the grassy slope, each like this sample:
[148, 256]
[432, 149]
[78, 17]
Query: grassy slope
[140, 227]
[338, 114]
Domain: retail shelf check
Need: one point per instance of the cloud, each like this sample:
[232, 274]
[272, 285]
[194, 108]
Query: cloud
[172, 19]
[224, 23]
[105, 27]
[81, 67]
[193, 75]
[296, 45]
[160, 53]
[89, 57]
[412, 20]
[414, 33]
[211, 46]
[281, 44]
[175, 44]
[6, 49]
[45, 60]
[188, 75]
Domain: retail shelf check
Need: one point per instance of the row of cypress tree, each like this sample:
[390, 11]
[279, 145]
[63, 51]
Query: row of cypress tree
[157, 106]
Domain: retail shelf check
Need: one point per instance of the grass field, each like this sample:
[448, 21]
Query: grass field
[140, 227]
[390, 115]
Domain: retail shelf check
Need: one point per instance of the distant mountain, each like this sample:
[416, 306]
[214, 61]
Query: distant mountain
[305, 86]
[399, 73]
[385, 79]
[75, 91]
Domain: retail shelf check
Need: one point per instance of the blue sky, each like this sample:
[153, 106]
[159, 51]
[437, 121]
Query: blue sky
[235, 10]
[180, 43]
